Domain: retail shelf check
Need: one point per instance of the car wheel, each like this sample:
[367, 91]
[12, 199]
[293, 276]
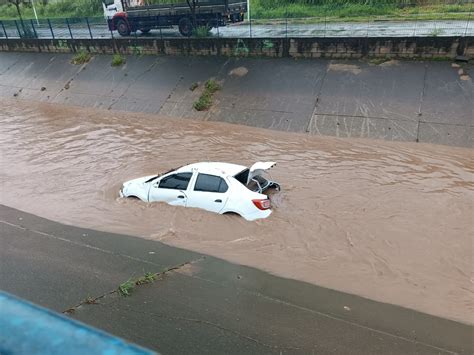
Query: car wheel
[122, 28]
[185, 27]
[145, 30]
[230, 213]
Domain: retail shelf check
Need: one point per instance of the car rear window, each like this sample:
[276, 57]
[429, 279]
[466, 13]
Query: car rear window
[176, 181]
[242, 176]
[210, 183]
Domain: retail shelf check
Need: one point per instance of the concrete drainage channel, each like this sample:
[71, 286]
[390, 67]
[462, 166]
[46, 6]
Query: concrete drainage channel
[177, 301]
[417, 101]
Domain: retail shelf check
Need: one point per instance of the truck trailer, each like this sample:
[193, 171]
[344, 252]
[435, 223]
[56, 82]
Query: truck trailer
[127, 16]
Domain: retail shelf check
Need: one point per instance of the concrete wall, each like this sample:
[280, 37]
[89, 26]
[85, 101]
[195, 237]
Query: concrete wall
[395, 100]
[333, 48]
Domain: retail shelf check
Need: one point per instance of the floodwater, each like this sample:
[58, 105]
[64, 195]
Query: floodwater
[389, 221]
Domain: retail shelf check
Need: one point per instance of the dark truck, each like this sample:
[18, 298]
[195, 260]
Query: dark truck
[126, 16]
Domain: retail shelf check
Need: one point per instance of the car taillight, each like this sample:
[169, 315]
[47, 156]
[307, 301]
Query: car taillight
[262, 204]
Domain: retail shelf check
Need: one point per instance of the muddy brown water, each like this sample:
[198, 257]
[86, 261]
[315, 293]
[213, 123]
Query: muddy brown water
[389, 221]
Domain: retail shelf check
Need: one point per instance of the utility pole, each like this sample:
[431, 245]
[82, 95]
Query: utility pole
[248, 10]
[34, 10]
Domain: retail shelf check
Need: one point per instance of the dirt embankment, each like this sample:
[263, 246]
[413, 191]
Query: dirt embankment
[388, 221]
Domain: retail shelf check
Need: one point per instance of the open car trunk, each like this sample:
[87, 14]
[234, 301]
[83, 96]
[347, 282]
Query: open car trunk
[255, 178]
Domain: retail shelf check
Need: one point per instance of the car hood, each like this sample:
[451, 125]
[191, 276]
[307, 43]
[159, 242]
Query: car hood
[138, 181]
[259, 168]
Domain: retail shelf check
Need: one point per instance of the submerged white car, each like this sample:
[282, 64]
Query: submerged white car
[216, 187]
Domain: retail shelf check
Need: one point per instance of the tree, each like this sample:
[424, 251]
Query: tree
[26, 31]
[17, 5]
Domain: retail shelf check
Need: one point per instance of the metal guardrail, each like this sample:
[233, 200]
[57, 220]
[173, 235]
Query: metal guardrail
[410, 25]
[30, 329]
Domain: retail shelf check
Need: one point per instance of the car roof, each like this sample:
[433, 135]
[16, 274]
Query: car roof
[214, 168]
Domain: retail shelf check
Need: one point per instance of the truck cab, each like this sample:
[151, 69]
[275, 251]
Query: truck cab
[111, 7]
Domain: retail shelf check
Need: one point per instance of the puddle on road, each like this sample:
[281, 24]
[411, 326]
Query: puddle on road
[388, 221]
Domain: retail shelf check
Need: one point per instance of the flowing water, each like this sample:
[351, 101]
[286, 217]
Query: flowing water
[389, 221]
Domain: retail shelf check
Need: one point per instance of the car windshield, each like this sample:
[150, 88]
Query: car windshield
[152, 178]
[157, 176]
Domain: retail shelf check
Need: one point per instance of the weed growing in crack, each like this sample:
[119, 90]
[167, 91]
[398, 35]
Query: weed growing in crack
[90, 300]
[81, 57]
[202, 32]
[212, 86]
[149, 277]
[205, 100]
[118, 60]
[126, 288]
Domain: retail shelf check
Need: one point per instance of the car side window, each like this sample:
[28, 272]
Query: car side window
[176, 181]
[210, 183]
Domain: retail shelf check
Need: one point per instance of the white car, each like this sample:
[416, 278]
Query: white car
[216, 187]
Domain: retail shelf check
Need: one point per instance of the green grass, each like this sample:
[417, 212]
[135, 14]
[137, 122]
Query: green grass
[356, 10]
[205, 100]
[118, 60]
[212, 86]
[81, 57]
[62, 8]
[126, 288]
[202, 32]
[148, 278]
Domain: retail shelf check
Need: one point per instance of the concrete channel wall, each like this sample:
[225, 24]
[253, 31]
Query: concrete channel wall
[333, 48]
[416, 101]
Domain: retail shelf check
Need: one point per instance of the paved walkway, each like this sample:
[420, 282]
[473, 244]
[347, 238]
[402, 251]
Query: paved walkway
[274, 28]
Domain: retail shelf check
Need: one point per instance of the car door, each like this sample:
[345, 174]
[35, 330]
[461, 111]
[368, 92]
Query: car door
[210, 192]
[171, 189]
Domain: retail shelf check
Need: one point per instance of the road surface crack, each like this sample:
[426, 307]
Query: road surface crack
[135, 80]
[156, 276]
[319, 91]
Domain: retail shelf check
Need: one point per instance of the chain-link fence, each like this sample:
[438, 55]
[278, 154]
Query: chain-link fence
[283, 18]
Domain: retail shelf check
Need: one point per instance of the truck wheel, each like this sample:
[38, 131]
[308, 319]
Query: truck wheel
[122, 28]
[185, 27]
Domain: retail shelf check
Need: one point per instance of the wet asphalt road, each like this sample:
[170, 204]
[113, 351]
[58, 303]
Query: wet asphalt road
[202, 304]
[273, 29]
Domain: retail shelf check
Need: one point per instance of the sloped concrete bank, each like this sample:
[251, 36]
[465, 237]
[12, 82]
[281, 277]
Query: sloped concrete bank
[201, 304]
[393, 100]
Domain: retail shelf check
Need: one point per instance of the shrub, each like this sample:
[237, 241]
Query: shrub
[81, 58]
[212, 86]
[202, 32]
[118, 60]
[204, 102]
